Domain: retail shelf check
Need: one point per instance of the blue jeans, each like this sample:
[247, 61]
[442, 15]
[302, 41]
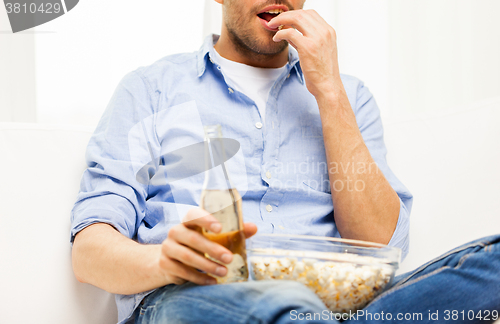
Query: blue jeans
[452, 288]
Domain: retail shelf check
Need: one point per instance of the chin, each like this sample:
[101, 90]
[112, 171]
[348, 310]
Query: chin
[257, 41]
[266, 46]
[275, 48]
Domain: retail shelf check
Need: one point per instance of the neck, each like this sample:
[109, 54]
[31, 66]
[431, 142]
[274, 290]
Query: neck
[227, 48]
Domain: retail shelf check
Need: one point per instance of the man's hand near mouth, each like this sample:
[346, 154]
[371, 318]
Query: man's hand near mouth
[316, 43]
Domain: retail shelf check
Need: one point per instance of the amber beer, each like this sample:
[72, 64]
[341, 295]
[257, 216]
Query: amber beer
[223, 201]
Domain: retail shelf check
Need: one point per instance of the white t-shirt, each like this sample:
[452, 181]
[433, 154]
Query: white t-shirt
[254, 82]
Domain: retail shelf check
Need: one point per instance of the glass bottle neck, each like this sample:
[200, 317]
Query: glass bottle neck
[217, 177]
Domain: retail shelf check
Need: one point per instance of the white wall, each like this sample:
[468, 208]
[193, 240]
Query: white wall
[419, 56]
[363, 43]
[17, 73]
[212, 18]
[79, 64]
[443, 54]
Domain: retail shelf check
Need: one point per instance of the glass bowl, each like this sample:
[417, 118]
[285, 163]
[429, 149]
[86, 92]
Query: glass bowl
[345, 274]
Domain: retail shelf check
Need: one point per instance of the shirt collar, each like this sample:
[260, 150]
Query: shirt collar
[206, 53]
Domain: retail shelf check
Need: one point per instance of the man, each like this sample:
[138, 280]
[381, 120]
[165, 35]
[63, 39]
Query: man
[139, 239]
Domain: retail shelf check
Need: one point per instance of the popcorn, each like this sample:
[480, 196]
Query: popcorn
[346, 284]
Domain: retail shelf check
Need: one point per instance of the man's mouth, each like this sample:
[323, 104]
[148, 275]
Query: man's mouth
[267, 13]
[270, 14]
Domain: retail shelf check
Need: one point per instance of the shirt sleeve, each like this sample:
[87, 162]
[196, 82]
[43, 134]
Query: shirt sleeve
[370, 125]
[122, 142]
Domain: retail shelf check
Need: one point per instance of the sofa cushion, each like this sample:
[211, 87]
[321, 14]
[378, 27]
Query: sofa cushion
[40, 170]
[450, 163]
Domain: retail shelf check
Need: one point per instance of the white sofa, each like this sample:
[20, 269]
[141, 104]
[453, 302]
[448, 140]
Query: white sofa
[40, 170]
[450, 162]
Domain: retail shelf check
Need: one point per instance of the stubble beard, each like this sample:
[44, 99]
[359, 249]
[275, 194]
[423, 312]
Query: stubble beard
[249, 46]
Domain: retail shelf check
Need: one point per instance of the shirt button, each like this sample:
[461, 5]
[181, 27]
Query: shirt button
[258, 125]
[269, 208]
[268, 175]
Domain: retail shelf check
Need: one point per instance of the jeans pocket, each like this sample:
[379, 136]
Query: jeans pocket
[493, 247]
[145, 314]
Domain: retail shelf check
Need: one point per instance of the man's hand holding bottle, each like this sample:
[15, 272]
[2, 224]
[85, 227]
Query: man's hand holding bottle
[182, 253]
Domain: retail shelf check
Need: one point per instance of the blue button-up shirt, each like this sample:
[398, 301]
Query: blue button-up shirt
[280, 169]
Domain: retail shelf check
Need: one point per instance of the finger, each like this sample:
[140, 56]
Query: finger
[301, 20]
[316, 16]
[190, 258]
[290, 35]
[249, 229]
[197, 217]
[196, 241]
[184, 272]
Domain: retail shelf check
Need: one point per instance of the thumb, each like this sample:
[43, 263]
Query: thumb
[249, 229]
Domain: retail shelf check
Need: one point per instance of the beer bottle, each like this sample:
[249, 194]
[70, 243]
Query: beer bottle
[221, 199]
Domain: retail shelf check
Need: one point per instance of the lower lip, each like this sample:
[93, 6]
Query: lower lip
[265, 24]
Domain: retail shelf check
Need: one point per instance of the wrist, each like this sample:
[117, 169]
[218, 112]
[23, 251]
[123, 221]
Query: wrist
[153, 274]
[334, 107]
[334, 97]
[154, 266]
[329, 90]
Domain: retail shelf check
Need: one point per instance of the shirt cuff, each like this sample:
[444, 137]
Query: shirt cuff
[401, 236]
[110, 209]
